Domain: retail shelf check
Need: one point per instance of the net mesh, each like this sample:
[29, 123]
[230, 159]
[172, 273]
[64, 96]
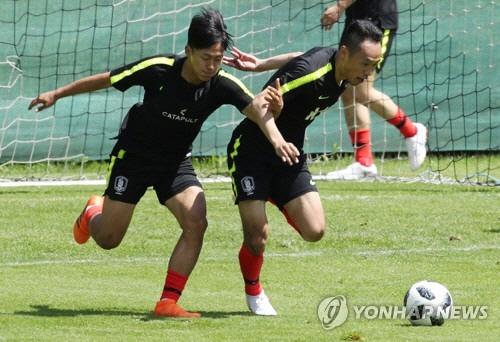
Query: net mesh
[443, 71]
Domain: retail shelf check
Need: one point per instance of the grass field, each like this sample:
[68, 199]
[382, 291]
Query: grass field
[381, 238]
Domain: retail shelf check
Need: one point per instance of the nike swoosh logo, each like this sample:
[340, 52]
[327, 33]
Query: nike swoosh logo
[311, 182]
[323, 97]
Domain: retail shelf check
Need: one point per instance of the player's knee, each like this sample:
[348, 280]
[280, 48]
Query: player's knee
[108, 241]
[196, 226]
[256, 246]
[256, 242]
[314, 234]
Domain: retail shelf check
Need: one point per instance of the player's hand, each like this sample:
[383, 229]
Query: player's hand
[241, 60]
[330, 17]
[46, 100]
[288, 153]
[275, 98]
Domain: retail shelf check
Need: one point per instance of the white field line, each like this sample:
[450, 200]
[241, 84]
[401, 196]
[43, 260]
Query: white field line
[9, 184]
[6, 183]
[144, 259]
[88, 182]
[425, 250]
[269, 255]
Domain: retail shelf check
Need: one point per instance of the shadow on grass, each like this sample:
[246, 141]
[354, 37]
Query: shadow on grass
[492, 230]
[204, 314]
[47, 311]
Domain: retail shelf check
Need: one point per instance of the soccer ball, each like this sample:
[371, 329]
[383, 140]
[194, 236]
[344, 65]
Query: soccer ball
[428, 303]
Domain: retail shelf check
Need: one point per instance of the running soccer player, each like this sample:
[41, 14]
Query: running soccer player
[310, 83]
[360, 99]
[155, 141]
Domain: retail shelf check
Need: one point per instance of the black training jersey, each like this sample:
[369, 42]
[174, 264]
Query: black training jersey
[383, 13]
[309, 87]
[164, 126]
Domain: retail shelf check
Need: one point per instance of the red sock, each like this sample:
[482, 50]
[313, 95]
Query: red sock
[404, 124]
[174, 284]
[361, 142]
[250, 268]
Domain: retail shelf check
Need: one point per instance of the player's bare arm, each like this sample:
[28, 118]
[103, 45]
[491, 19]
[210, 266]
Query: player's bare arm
[84, 85]
[332, 14]
[247, 62]
[259, 112]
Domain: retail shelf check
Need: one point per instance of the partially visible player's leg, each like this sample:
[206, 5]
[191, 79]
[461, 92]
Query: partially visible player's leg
[255, 225]
[384, 107]
[252, 175]
[358, 123]
[251, 255]
[105, 220]
[414, 133]
[296, 195]
[358, 102]
[189, 208]
[81, 229]
[306, 214]
[109, 227]
[357, 117]
[380, 103]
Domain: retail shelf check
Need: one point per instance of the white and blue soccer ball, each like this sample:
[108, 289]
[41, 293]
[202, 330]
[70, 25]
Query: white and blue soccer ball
[428, 303]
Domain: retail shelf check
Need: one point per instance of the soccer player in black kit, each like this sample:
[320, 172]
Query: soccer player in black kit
[359, 100]
[310, 83]
[154, 144]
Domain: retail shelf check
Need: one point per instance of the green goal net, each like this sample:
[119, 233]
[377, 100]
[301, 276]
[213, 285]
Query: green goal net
[443, 72]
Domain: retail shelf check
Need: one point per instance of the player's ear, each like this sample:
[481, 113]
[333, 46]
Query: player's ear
[344, 52]
[188, 51]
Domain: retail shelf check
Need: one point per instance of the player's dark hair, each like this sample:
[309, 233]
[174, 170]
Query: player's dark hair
[357, 32]
[207, 29]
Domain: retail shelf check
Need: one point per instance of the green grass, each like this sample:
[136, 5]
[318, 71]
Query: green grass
[381, 238]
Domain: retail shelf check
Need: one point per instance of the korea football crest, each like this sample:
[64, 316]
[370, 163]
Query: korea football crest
[120, 184]
[248, 185]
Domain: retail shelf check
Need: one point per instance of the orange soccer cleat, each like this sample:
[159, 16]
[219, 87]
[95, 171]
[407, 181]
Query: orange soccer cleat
[170, 308]
[81, 231]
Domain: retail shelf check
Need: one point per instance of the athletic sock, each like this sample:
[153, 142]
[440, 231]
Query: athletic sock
[360, 139]
[403, 124]
[251, 265]
[174, 285]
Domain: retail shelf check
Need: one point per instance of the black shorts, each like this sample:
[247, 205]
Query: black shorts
[260, 176]
[387, 39]
[130, 175]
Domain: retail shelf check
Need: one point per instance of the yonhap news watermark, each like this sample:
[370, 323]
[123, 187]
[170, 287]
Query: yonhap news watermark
[333, 311]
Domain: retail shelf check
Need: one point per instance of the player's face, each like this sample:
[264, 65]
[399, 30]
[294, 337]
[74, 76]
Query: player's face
[361, 64]
[204, 63]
